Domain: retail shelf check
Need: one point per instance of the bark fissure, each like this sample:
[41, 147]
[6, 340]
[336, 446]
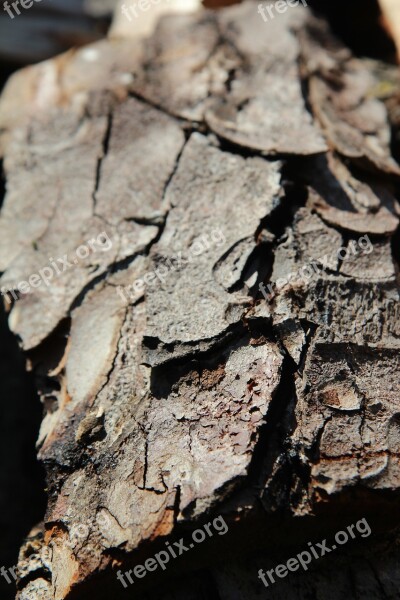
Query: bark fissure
[180, 390]
[104, 152]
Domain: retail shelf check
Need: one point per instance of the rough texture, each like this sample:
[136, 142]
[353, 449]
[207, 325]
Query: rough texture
[193, 394]
[264, 108]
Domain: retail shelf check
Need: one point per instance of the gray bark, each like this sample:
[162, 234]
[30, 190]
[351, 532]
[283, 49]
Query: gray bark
[194, 396]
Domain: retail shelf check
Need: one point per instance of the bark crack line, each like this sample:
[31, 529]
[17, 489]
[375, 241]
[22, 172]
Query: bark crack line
[315, 451]
[113, 361]
[124, 263]
[146, 461]
[137, 96]
[104, 152]
[294, 197]
[273, 435]
[112, 514]
[146, 464]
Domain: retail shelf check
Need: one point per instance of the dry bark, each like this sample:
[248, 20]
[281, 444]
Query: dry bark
[196, 396]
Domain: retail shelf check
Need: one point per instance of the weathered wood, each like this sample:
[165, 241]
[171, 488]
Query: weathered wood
[221, 155]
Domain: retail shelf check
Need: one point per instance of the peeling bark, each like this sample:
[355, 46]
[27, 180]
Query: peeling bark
[194, 395]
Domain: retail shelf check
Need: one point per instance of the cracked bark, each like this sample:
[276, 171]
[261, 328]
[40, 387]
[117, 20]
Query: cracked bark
[195, 396]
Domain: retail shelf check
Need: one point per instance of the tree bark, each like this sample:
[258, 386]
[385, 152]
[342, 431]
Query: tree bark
[223, 155]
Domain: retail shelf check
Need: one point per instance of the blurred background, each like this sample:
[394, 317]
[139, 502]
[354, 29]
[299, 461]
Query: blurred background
[50, 27]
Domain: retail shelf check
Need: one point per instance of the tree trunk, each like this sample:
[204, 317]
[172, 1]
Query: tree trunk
[207, 226]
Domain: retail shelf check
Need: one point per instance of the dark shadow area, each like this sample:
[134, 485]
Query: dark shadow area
[6, 70]
[359, 24]
[44, 29]
[22, 497]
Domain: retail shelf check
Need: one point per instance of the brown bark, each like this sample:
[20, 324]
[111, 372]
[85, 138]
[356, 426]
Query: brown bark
[196, 396]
